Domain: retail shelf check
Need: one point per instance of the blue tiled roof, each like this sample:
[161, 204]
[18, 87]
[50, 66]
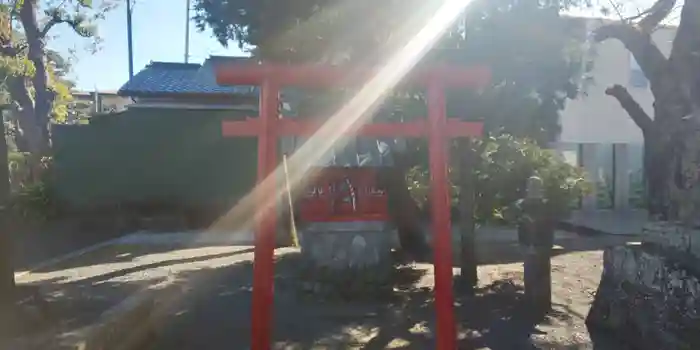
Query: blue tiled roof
[159, 78]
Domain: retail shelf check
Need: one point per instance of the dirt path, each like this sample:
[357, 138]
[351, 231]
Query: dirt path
[218, 318]
[213, 289]
[80, 289]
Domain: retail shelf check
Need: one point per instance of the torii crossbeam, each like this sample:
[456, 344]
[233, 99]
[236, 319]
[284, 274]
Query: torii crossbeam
[267, 127]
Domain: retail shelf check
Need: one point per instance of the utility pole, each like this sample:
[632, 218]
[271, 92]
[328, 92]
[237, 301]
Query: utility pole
[187, 33]
[130, 41]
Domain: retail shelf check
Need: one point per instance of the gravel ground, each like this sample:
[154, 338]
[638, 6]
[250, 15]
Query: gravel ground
[218, 317]
[214, 285]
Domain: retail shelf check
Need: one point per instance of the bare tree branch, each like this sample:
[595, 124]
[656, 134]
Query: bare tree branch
[58, 15]
[47, 27]
[58, 19]
[655, 14]
[651, 60]
[616, 7]
[635, 111]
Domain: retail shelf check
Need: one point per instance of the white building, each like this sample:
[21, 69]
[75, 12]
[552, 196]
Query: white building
[599, 135]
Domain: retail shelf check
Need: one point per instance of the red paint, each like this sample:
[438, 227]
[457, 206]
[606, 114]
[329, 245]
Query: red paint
[268, 127]
[290, 127]
[440, 199]
[321, 203]
[324, 76]
[263, 265]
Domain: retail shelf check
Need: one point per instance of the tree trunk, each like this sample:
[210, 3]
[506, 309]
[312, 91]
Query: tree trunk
[657, 178]
[43, 96]
[30, 131]
[7, 271]
[403, 209]
[467, 203]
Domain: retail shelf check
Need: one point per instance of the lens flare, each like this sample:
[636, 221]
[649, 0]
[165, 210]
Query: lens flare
[347, 119]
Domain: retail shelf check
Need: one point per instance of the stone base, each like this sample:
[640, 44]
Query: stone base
[347, 260]
[342, 245]
[649, 295]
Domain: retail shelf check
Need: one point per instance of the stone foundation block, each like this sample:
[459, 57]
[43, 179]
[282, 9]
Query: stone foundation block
[345, 245]
[349, 260]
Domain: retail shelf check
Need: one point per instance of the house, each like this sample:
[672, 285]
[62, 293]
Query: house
[187, 85]
[193, 86]
[87, 103]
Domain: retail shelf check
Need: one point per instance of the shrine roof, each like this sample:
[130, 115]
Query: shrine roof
[170, 78]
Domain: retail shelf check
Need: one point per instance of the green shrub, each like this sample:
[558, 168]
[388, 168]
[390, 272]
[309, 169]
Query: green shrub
[34, 200]
[503, 167]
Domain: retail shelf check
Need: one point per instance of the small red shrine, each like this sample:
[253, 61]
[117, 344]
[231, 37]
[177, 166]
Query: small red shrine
[345, 194]
[350, 194]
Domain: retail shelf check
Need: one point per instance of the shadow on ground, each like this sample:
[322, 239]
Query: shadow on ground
[125, 253]
[506, 252]
[218, 317]
[213, 297]
[75, 294]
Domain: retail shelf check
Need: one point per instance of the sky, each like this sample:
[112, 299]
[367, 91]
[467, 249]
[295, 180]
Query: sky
[158, 34]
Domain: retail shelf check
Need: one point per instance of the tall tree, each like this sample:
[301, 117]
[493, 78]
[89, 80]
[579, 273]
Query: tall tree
[534, 53]
[33, 78]
[529, 46]
[10, 69]
[32, 82]
[672, 150]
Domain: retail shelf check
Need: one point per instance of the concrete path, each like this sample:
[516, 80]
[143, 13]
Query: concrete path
[80, 288]
[616, 222]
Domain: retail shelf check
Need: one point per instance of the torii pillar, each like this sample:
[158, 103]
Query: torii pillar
[268, 127]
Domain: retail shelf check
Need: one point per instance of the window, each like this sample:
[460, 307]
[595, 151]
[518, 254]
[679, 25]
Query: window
[637, 77]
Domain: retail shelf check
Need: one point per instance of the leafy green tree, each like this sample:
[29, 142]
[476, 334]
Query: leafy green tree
[59, 83]
[33, 81]
[533, 52]
[32, 70]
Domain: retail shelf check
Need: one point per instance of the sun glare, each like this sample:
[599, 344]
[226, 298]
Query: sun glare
[350, 116]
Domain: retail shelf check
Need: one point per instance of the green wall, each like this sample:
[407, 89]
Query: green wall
[152, 154]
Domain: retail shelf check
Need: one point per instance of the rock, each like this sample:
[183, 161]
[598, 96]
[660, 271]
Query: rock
[649, 295]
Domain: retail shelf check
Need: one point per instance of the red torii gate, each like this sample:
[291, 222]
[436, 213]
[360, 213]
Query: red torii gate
[269, 126]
